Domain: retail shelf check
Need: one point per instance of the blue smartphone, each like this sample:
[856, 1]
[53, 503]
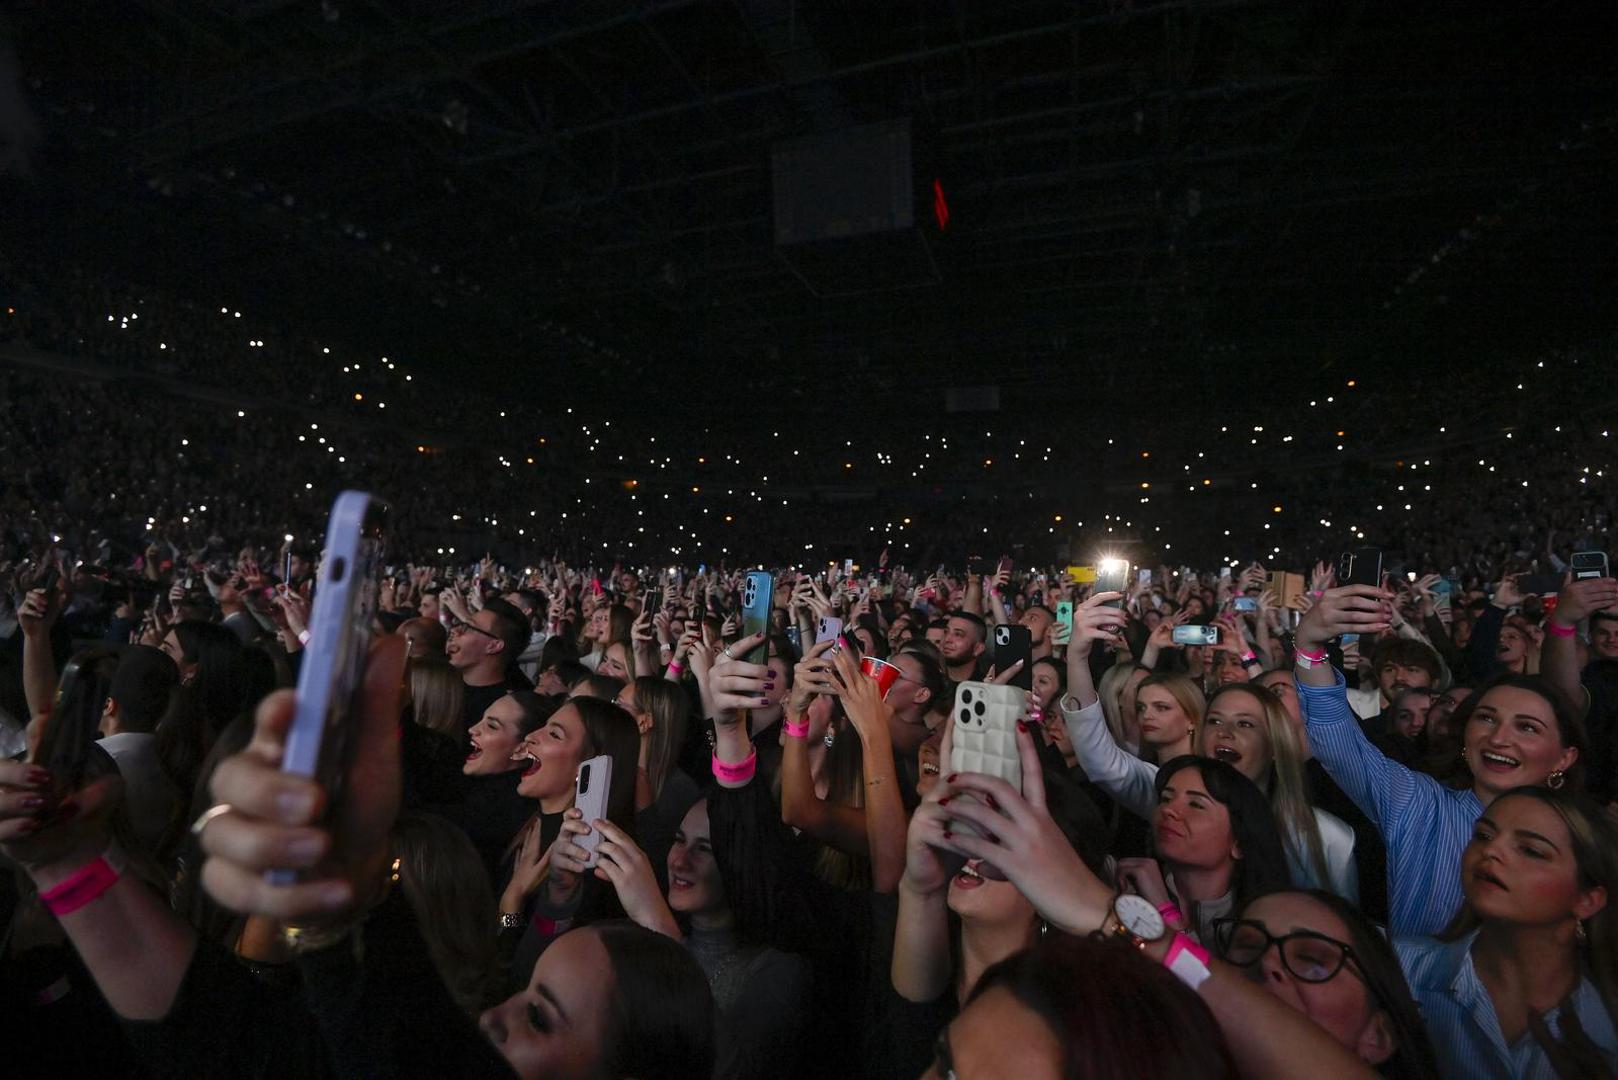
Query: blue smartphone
[1064, 615]
[333, 670]
[757, 594]
[1244, 603]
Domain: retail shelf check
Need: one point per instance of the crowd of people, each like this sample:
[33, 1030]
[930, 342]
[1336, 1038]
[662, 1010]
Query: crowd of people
[1369, 829]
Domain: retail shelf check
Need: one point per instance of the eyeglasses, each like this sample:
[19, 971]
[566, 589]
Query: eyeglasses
[457, 625]
[1307, 956]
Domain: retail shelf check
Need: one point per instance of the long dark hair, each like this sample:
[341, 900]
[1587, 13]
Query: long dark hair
[661, 1016]
[1263, 864]
[219, 693]
[1569, 728]
[610, 730]
[1114, 1013]
[1378, 967]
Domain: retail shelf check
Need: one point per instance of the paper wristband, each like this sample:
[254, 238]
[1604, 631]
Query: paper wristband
[738, 773]
[86, 883]
[1188, 961]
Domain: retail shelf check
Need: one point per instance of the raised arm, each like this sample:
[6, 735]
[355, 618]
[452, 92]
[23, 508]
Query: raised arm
[884, 813]
[37, 615]
[1378, 785]
[1120, 774]
[843, 827]
[1559, 655]
[1267, 1037]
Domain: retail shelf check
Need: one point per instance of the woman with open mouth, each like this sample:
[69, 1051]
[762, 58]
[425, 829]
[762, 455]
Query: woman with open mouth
[1242, 725]
[1516, 730]
[1524, 980]
[490, 810]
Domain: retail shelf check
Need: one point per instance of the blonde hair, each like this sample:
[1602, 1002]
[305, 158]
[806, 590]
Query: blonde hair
[435, 693]
[1111, 692]
[1289, 790]
[1186, 694]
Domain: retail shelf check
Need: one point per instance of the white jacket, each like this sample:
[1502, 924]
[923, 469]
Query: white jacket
[1133, 783]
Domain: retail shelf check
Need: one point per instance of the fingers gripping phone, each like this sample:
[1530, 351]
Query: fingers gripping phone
[339, 640]
[756, 597]
[590, 791]
[75, 724]
[1064, 615]
[1011, 645]
[984, 739]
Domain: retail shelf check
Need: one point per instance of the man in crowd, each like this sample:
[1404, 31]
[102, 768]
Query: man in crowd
[484, 650]
[965, 637]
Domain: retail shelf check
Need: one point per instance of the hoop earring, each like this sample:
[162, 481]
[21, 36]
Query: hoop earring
[1555, 780]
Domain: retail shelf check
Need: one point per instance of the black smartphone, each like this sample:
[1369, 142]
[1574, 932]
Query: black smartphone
[1112, 575]
[1539, 584]
[47, 578]
[1011, 644]
[75, 723]
[1589, 564]
[1362, 566]
[654, 599]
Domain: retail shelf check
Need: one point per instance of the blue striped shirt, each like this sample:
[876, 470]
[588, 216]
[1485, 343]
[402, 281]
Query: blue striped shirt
[1465, 1030]
[1424, 824]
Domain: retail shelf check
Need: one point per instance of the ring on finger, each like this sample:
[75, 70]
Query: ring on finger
[217, 810]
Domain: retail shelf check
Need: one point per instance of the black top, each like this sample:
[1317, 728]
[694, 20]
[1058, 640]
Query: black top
[655, 826]
[475, 700]
[490, 812]
[380, 1010]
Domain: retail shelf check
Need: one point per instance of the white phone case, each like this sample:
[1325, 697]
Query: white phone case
[985, 736]
[591, 788]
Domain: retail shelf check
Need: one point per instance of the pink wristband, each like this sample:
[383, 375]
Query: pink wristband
[1188, 961]
[1311, 657]
[1171, 913]
[676, 668]
[796, 731]
[739, 773]
[85, 884]
[1559, 630]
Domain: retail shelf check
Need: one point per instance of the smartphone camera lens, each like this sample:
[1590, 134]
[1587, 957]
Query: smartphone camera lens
[584, 779]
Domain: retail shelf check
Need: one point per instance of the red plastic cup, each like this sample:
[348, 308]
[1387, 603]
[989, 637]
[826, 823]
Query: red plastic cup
[883, 672]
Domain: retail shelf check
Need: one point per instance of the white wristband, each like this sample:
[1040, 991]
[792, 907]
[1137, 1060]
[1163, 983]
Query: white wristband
[303, 637]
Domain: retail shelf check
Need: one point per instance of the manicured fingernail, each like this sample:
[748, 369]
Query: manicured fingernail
[38, 777]
[950, 779]
[1021, 726]
[294, 805]
[948, 834]
[335, 895]
[33, 802]
[304, 848]
[990, 800]
[769, 686]
[945, 800]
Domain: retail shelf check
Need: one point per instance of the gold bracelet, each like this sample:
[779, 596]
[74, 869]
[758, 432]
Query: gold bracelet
[302, 939]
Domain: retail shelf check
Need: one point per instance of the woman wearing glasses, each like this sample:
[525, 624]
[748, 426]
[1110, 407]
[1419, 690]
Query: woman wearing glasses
[1324, 959]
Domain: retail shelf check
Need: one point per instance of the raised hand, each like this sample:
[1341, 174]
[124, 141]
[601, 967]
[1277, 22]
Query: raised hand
[625, 866]
[736, 684]
[1352, 609]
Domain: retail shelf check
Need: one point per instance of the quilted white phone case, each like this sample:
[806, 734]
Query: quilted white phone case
[985, 736]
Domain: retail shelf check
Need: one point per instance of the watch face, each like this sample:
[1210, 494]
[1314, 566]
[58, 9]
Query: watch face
[1139, 916]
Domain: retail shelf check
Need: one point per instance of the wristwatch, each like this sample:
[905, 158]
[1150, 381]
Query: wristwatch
[1139, 921]
[510, 921]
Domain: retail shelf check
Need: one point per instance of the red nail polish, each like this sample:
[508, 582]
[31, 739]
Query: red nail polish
[1022, 725]
[945, 800]
[948, 834]
[38, 776]
[950, 779]
[33, 802]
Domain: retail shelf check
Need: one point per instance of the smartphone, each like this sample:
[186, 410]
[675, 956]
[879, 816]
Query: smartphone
[654, 599]
[286, 568]
[831, 628]
[1244, 603]
[75, 723]
[1589, 564]
[1196, 635]
[333, 670]
[1143, 576]
[1362, 566]
[590, 790]
[1011, 644]
[795, 636]
[1224, 573]
[756, 599]
[1112, 575]
[1539, 584]
[984, 739]
[1064, 615]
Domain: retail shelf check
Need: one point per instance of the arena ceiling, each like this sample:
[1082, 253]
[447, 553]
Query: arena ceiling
[1204, 190]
